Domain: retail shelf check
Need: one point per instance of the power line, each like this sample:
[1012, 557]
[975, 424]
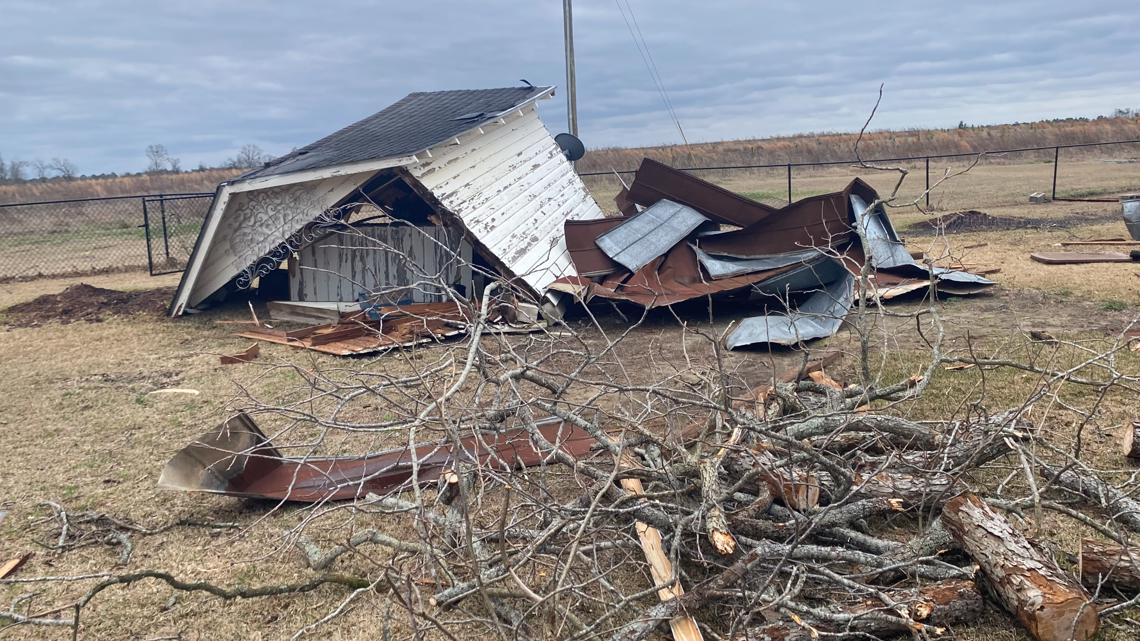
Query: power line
[650, 64]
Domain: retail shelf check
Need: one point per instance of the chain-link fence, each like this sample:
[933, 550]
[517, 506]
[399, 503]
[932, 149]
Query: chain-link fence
[997, 178]
[90, 235]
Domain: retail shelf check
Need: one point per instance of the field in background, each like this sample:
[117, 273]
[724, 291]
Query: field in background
[136, 184]
[825, 147]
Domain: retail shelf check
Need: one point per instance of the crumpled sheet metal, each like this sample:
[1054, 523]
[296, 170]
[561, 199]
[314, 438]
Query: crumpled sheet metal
[655, 181]
[727, 267]
[236, 459]
[888, 254]
[588, 258]
[819, 316]
[643, 237]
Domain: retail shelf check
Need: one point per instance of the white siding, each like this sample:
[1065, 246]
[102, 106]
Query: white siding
[254, 222]
[513, 189]
[399, 262]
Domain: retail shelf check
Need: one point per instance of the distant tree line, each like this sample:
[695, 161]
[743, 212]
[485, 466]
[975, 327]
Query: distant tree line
[158, 160]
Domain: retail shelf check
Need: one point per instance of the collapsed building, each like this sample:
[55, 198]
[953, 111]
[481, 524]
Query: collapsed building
[452, 186]
[380, 230]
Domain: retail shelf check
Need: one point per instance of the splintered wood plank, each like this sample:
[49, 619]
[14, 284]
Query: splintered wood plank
[684, 627]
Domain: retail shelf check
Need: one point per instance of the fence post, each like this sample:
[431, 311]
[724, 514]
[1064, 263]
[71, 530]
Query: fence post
[789, 183]
[928, 182]
[1056, 158]
[146, 233]
[165, 233]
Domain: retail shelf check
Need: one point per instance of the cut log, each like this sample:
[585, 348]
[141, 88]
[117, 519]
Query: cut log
[1050, 605]
[931, 609]
[1120, 507]
[1130, 440]
[1108, 564]
[684, 627]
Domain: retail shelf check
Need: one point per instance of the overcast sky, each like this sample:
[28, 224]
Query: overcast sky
[97, 81]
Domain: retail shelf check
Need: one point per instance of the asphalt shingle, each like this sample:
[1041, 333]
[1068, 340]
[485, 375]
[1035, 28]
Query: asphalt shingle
[416, 122]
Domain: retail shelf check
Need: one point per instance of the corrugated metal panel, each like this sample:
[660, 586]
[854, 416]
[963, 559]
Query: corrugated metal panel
[819, 316]
[513, 189]
[402, 262]
[643, 237]
[256, 221]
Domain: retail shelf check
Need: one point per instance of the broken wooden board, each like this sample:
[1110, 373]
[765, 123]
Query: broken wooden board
[11, 565]
[308, 313]
[1079, 258]
[244, 356]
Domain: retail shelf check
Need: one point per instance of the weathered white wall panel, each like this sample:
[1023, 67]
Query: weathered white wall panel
[402, 263]
[256, 221]
[513, 189]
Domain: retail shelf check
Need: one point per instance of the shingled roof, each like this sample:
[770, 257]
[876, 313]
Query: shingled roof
[418, 121]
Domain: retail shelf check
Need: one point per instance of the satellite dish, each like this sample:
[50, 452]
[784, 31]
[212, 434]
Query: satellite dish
[572, 148]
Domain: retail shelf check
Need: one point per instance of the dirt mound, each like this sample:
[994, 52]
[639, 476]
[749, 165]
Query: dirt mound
[87, 303]
[974, 220]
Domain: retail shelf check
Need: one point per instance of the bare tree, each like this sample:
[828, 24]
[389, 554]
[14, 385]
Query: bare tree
[17, 170]
[248, 157]
[41, 167]
[157, 158]
[64, 168]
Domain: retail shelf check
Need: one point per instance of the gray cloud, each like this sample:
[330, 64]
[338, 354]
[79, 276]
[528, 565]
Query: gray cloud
[98, 81]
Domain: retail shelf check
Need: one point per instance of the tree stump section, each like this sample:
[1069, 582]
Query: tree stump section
[1050, 605]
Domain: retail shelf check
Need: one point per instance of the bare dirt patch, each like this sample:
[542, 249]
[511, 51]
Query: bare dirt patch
[972, 220]
[87, 303]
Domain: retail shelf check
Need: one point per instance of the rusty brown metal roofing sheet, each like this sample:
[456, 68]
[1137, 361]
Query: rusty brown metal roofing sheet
[588, 258]
[816, 221]
[236, 459]
[655, 181]
[1079, 258]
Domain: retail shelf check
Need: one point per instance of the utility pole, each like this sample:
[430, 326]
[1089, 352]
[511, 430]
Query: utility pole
[571, 87]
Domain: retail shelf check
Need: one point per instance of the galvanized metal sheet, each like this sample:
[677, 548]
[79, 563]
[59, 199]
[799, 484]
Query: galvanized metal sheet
[888, 252]
[819, 316]
[648, 235]
[885, 248]
[718, 267]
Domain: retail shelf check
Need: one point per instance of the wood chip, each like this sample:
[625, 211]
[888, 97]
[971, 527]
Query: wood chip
[11, 565]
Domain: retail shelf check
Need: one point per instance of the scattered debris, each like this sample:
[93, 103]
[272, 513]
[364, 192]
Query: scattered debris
[245, 356]
[359, 333]
[237, 459]
[1083, 258]
[87, 303]
[176, 390]
[801, 261]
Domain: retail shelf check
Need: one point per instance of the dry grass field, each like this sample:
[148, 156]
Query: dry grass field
[84, 432]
